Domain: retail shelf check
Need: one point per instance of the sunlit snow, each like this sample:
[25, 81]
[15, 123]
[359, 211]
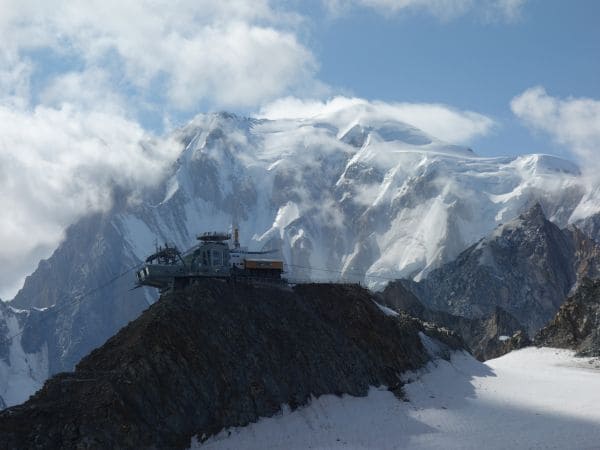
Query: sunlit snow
[531, 398]
[350, 193]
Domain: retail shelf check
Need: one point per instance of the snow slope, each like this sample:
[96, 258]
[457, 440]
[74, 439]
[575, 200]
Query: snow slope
[351, 194]
[531, 398]
[21, 372]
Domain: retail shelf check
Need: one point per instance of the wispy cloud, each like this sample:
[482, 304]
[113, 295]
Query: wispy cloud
[441, 121]
[506, 10]
[572, 122]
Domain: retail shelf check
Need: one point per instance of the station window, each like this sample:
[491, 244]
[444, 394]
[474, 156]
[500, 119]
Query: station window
[217, 258]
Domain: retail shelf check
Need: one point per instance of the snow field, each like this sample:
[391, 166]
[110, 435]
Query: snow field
[529, 399]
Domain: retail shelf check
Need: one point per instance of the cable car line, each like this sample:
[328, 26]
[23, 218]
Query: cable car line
[80, 298]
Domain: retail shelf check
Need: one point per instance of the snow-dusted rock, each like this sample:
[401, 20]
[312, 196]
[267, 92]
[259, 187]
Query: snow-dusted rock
[526, 266]
[22, 372]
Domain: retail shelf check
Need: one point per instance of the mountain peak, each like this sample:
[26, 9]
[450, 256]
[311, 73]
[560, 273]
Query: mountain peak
[534, 215]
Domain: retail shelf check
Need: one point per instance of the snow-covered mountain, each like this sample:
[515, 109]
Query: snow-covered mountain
[350, 192]
[349, 195]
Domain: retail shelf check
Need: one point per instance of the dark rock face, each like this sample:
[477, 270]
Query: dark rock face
[587, 253]
[4, 343]
[577, 324]
[219, 355]
[72, 327]
[526, 267]
[486, 338]
[590, 226]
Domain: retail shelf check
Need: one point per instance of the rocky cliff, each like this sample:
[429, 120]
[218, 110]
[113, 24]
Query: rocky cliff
[81, 307]
[219, 355]
[577, 323]
[527, 267]
[22, 370]
[489, 337]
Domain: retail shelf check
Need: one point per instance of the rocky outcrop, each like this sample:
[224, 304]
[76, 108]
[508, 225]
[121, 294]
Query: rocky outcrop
[219, 355]
[577, 324]
[486, 338]
[590, 225]
[22, 371]
[587, 253]
[527, 267]
[82, 300]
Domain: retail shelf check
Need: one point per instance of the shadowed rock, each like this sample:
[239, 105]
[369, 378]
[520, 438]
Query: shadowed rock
[219, 355]
[527, 267]
[577, 323]
[488, 337]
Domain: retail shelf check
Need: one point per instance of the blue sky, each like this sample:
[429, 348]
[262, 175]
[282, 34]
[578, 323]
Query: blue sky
[469, 62]
[465, 54]
[90, 91]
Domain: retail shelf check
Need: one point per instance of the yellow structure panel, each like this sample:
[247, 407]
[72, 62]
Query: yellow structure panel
[263, 264]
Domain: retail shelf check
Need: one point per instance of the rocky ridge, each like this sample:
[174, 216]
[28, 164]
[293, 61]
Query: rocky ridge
[219, 355]
[486, 338]
[576, 325]
[527, 267]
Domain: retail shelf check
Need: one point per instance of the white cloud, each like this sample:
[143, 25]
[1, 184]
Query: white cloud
[441, 121]
[89, 89]
[508, 10]
[57, 164]
[247, 66]
[74, 76]
[14, 80]
[572, 122]
[234, 53]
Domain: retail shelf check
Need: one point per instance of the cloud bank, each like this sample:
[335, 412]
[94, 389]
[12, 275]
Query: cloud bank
[233, 53]
[58, 164]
